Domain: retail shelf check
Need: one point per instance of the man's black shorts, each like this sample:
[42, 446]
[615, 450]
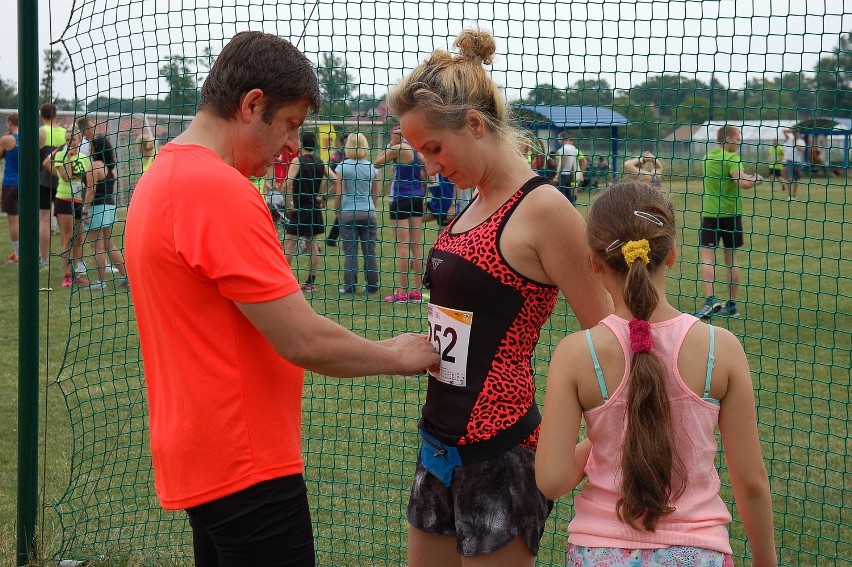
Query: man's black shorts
[727, 230]
[266, 524]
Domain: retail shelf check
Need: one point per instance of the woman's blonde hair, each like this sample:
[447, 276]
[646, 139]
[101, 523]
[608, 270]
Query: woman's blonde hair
[357, 146]
[446, 87]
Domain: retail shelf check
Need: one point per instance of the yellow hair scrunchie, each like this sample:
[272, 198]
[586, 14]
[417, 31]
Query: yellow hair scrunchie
[636, 249]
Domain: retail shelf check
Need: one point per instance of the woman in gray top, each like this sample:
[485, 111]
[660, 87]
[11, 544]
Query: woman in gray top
[359, 189]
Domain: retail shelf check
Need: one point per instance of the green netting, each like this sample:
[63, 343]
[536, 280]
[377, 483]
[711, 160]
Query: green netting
[675, 70]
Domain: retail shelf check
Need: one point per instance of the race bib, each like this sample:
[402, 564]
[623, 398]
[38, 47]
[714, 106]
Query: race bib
[449, 331]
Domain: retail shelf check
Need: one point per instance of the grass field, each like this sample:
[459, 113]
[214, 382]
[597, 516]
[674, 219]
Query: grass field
[360, 435]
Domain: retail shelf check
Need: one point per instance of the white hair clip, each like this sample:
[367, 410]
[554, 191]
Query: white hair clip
[649, 217]
[615, 244]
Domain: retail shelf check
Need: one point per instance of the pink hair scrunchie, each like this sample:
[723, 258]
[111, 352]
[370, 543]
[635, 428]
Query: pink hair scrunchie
[640, 335]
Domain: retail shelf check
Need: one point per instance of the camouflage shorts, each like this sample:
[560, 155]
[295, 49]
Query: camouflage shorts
[488, 505]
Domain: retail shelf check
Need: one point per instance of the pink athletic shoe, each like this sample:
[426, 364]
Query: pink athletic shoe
[415, 296]
[67, 280]
[397, 297]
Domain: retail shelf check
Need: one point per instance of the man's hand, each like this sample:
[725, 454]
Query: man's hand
[415, 353]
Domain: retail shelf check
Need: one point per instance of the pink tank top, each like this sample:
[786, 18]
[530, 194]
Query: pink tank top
[700, 518]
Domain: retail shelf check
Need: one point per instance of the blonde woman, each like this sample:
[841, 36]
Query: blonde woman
[359, 189]
[494, 275]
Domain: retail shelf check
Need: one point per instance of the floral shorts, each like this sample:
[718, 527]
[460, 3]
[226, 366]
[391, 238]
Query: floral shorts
[675, 556]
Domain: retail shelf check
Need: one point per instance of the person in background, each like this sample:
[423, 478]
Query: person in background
[224, 328]
[566, 168]
[147, 148]
[794, 158]
[9, 146]
[74, 170]
[646, 168]
[406, 214]
[99, 214]
[307, 184]
[722, 220]
[776, 164]
[653, 385]
[335, 159]
[359, 188]
[442, 194]
[51, 137]
[494, 276]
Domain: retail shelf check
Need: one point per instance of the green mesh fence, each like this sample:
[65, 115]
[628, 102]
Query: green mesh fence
[623, 78]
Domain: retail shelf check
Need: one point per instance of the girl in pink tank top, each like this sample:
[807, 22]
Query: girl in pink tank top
[652, 391]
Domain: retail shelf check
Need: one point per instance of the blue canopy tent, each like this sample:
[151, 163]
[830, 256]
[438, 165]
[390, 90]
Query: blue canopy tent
[556, 118]
[825, 126]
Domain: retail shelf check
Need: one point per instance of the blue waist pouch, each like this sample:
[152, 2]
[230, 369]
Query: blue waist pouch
[439, 458]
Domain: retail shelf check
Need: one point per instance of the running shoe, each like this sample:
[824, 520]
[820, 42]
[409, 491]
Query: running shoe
[12, 260]
[81, 281]
[711, 306]
[730, 309]
[67, 281]
[415, 296]
[347, 291]
[397, 297]
[309, 287]
[95, 286]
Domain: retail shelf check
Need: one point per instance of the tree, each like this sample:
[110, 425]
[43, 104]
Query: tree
[834, 80]
[54, 62]
[179, 74]
[336, 85]
[8, 94]
[593, 92]
[545, 93]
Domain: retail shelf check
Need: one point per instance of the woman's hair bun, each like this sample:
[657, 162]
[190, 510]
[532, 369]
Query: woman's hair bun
[476, 45]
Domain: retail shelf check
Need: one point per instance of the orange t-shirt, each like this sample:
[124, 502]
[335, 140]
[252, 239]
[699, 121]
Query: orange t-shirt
[225, 409]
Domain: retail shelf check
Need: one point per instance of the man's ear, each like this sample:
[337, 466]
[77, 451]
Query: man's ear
[251, 105]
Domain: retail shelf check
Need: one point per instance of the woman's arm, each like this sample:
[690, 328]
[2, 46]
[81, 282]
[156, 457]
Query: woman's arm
[390, 155]
[292, 172]
[91, 179]
[564, 253]
[559, 459]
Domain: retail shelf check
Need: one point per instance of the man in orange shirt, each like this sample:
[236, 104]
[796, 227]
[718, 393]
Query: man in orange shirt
[224, 329]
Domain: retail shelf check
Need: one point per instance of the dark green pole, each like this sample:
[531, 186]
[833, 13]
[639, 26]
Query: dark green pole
[28, 307]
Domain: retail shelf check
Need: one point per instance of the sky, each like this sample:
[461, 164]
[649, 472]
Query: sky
[546, 41]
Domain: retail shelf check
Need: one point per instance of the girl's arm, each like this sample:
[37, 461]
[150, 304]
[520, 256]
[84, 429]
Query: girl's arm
[92, 177]
[738, 426]
[559, 459]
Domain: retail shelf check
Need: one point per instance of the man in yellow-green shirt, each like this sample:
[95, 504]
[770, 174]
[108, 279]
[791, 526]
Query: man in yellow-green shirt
[721, 218]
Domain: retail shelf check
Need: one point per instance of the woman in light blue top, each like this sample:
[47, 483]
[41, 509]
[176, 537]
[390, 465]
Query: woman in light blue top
[360, 187]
